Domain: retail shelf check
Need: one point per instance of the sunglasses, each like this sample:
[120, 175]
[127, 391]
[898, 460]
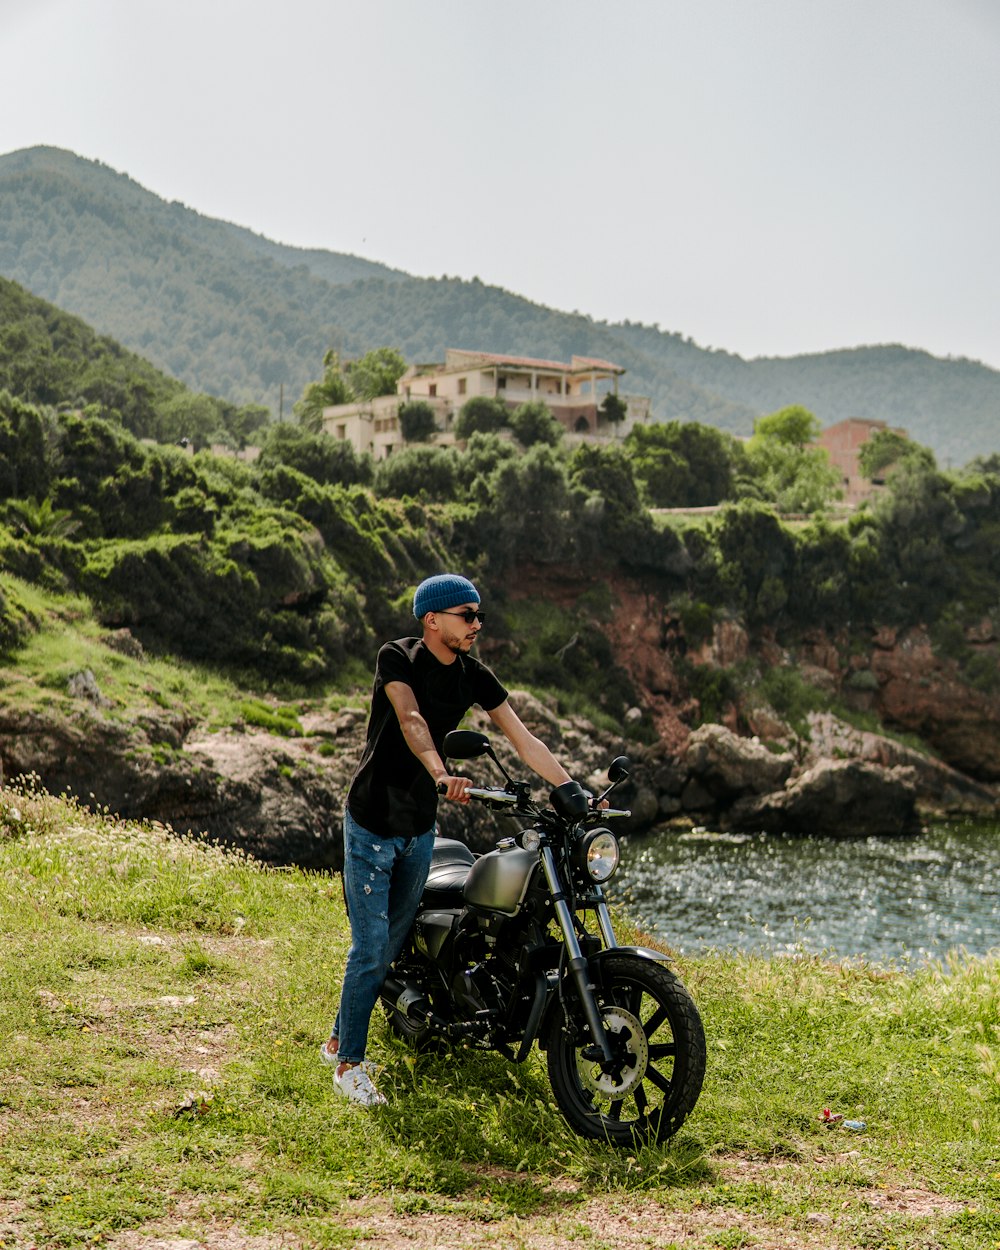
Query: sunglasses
[469, 615]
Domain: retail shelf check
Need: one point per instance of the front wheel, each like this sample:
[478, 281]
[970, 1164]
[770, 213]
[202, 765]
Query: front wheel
[660, 1043]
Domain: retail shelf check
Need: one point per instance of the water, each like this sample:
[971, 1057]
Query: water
[888, 900]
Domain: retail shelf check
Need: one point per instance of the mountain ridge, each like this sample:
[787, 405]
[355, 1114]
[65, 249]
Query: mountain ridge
[238, 315]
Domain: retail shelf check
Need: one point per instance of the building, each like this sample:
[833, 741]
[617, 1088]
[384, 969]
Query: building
[842, 443]
[573, 392]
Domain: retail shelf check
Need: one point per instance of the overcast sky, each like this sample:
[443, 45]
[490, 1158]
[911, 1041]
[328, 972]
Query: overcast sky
[765, 176]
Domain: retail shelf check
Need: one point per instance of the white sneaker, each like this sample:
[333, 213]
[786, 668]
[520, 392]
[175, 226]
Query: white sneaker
[327, 1056]
[356, 1086]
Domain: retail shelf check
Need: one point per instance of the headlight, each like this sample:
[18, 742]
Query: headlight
[597, 854]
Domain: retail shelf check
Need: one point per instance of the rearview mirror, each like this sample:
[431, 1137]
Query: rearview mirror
[618, 769]
[465, 744]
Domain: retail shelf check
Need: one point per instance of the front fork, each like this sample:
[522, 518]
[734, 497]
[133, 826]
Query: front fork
[579, 967]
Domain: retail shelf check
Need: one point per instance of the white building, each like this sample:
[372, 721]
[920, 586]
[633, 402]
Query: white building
[573, 392]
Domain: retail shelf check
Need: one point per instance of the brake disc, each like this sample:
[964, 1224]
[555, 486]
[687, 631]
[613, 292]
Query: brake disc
[618, 1022]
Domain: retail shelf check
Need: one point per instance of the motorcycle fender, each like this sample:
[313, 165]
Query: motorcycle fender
[552, 999]
[640, 952]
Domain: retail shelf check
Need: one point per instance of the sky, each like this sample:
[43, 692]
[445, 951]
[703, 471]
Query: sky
[768, 177]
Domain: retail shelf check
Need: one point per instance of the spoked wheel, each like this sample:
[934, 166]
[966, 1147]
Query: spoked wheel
[660, 1043]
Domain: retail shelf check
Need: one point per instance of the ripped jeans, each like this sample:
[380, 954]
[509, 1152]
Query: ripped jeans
[383, 881]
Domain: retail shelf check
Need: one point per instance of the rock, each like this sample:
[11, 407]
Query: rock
[695, 798]
[538, 718]
[670, 777]
[729, 645]
[819, 677]
[83, 685]
[728, 766]
[940, 790]
[925, 694]
[835, 798]
[642, 800]
[122, 641]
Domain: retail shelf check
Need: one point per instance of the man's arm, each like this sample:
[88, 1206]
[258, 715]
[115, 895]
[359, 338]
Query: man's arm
[418, 738]
[530, 749]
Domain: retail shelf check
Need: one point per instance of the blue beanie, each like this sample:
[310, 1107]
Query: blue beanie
[444, 590]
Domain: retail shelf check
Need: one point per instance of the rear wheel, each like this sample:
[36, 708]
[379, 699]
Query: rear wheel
[659, 1041]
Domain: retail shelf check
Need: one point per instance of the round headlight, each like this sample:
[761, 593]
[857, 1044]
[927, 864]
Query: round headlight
[600, 854]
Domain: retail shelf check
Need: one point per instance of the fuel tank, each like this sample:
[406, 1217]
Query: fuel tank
[499, 880]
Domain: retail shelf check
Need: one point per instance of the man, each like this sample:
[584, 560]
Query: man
[422, 689]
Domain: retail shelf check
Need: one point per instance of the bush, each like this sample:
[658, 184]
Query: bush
[481, 415]
[417, 422]
[419, 472]
[329, 461]
[534, 423]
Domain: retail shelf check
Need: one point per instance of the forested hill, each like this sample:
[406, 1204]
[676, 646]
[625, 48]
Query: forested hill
[236, 315]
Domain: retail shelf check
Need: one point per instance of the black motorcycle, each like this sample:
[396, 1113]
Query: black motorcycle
[499, 957]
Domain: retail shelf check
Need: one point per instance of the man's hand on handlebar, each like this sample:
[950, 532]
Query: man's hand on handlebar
[455, 788]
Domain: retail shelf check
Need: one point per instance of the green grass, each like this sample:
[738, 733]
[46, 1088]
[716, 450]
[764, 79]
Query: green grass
[68, 640]
[161, 1003]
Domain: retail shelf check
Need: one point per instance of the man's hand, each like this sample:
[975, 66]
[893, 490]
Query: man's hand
[455, 788]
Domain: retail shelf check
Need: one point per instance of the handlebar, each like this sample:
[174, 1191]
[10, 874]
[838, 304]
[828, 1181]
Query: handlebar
[489, 794]
[484, 794]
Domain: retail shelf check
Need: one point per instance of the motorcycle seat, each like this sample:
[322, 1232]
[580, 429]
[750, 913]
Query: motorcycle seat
[450, 866]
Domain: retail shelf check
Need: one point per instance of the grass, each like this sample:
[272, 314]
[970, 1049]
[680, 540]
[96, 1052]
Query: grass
[68, 640]
[161, 1003]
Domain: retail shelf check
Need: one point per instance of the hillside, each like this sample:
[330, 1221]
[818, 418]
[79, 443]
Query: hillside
[239, 316]
[50, 357]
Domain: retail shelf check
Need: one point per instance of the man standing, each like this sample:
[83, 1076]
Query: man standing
[422, 689]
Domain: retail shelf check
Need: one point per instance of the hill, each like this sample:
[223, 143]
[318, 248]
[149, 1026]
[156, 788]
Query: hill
[242, 317]
[50, 357]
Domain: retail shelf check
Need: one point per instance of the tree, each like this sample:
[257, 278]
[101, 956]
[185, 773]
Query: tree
[785, 471]
[482, 415]
[376, 373]
[420, 472]
[683, 464]
[248, 422]
[417, 422]
[793, 426]
[192, 417]
[613, 409]
[482, 455]
[530, 514]
[533, 422]
[333, 389]
[887, 448]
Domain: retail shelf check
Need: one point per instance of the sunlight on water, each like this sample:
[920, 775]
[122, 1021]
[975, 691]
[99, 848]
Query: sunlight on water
[884, 899]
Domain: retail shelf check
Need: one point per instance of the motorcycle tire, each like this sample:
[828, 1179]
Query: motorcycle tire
[657, 1089]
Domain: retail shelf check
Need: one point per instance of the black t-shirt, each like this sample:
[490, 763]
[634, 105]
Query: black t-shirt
[392, 794]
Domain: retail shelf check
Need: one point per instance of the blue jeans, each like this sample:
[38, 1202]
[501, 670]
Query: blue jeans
[383, 881]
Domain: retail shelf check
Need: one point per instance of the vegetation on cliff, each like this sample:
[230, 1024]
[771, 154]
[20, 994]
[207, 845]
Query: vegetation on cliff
[160, 1081]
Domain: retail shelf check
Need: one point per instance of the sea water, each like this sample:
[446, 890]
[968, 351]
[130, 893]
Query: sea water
[886, 900]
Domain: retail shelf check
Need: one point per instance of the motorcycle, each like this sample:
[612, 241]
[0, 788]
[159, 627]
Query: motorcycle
[499, 957]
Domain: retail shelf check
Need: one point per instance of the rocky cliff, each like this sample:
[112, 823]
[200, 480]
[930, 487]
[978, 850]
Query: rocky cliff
[281, 799]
